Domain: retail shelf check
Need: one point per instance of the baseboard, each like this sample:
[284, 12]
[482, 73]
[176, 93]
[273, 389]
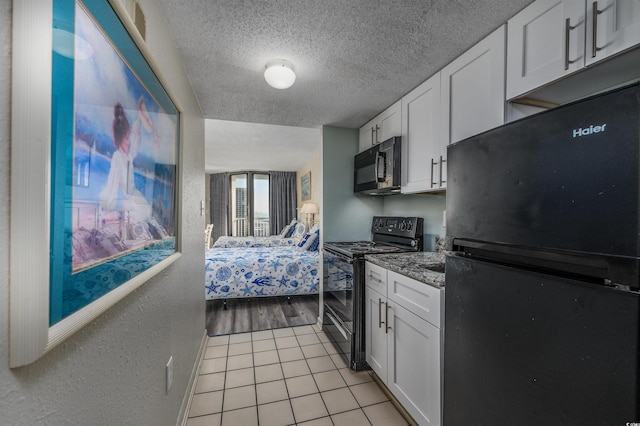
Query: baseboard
[403, 411]
[183, 416]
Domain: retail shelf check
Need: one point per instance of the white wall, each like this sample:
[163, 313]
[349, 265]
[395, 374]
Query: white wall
[112, 372]
[313, 167]
[345, 216]
[430, 207]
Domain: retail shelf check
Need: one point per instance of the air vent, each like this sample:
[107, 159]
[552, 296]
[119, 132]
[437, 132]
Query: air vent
[139, 20]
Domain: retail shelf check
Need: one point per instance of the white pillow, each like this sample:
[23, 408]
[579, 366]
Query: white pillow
[299, 230]
[314, 228]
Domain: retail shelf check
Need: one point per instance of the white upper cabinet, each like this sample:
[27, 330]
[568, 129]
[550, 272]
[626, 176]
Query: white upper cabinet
[420, 144]
[551, 39]
[385, 125]
[473, 97]
[367, 135]
[472, 93]
[464, 99]
[545, 42]
[389, 122]
[612, 26]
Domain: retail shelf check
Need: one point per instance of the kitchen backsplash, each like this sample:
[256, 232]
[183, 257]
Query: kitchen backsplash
[430, 207]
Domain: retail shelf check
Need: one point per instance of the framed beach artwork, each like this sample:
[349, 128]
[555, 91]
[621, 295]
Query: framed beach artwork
[305, 186]
[104, 137]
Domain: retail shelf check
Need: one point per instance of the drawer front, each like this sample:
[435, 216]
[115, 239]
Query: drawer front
[422, 299]
[376, 278]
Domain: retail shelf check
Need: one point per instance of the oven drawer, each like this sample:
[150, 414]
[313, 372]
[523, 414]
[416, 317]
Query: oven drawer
[376, 278]
[422, 299]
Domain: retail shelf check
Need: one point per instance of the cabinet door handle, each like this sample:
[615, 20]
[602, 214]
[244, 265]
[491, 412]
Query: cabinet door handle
[380, 322]
[373, 135]
[377, 128]
[386, 318]
[594, 30]
[371, 277]
[567, 31]
[442, 161]
[433, 163]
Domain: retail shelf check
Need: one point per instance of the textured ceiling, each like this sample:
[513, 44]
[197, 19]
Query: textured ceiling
[353, 58]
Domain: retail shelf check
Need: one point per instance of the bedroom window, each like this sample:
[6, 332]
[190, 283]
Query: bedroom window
[249, 206]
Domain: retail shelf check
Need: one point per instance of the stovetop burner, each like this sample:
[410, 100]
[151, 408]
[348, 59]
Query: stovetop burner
[356, 244]
[365, 247]
[390, 235]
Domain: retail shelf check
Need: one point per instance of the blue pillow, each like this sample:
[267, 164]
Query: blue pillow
[306, 241]
[292, 228]
[285, 231]
[314, 245]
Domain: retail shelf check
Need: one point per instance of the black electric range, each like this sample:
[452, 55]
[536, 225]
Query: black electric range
[343, 281]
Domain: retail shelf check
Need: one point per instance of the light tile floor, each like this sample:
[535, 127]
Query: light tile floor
[286, 376]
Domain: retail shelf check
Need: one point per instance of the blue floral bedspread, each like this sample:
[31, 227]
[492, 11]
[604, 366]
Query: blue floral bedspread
[272, 241]
[260, 271]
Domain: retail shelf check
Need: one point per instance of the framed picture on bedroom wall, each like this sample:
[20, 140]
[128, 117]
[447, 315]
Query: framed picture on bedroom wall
[102, 155]
[305, 186]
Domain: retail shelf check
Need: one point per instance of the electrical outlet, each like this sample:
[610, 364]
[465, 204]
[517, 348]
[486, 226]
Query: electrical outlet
[169, 373]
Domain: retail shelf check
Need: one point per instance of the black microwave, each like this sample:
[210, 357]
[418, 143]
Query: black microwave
[376, 171]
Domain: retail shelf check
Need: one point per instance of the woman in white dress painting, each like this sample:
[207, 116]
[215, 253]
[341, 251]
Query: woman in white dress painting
[120, 193]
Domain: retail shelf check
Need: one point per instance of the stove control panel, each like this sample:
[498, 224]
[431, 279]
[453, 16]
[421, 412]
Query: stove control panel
[409, 227]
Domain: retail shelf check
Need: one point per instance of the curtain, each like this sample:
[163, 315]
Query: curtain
[283, 199]
[219, 196]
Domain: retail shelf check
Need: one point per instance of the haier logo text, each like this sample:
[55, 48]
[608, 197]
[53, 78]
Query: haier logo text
[588, 130]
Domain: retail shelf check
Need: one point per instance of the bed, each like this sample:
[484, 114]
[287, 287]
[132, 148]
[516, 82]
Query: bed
[263, 271]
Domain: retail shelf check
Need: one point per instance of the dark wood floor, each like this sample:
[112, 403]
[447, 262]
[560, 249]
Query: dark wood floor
[261, 313]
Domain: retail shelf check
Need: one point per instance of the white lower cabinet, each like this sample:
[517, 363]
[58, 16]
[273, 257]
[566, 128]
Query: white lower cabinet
[404, 340]
[376, 337]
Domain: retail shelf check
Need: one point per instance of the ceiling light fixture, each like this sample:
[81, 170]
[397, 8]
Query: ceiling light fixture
[279, 74]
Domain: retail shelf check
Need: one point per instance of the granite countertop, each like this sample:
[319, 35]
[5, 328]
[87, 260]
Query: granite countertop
[426, 267]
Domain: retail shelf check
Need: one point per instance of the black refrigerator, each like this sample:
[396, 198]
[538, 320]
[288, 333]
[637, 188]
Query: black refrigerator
[542, 282]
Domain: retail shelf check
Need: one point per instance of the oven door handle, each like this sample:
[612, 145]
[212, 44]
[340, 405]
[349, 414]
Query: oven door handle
[341, 257]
